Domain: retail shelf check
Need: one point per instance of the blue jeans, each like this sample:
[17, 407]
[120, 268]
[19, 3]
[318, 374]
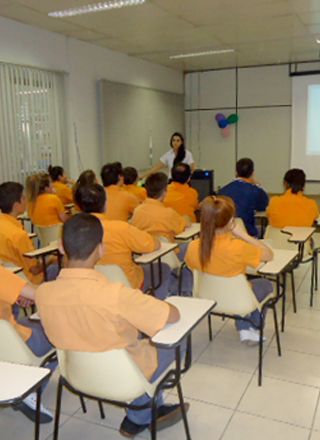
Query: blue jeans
[162, 291]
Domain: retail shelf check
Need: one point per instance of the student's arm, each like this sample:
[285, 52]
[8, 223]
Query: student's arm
[174, 314]
[267, 254]
[63, 217]
[192, 166]
[156, 168]
[28, 292]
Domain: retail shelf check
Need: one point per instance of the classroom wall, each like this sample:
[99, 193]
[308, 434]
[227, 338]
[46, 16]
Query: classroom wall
[85, 63]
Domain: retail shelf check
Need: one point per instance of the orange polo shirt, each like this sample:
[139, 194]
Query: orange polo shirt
[10, 288]
[64, 192]
[183, 199]
[14, 242]
[292, 210]
[137, 191]
[230, 256]
[120, 204]
[152, 216]
[121, 240]
[46, 210]
[82, 310]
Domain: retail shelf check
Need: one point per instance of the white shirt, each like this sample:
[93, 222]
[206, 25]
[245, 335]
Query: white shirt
[169, 158]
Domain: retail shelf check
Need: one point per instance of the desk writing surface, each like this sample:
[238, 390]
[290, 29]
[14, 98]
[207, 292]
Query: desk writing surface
[190, 232]
[298, 234]
[192, 311]
[12, 267]
[52, 247]
[165, 248]
[281, 259]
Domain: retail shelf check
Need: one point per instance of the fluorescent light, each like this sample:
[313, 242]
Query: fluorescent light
[318, 40]
[201, 54]
[98, 7]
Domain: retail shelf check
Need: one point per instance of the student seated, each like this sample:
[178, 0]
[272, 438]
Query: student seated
[247, 194]
[130, 180]
[13, 289]
[14, 240]
[292, 208]
[45, 208]
[121, 240]
[82, 298]
[121, 204]
[181, 197]
[60, 184]
[226, 250]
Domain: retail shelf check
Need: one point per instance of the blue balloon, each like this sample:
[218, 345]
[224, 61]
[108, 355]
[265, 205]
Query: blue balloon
[223, 124]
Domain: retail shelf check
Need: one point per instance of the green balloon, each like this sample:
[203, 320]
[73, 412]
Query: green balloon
[233, 119]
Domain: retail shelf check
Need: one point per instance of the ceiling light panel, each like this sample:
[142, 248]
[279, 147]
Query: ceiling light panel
[97, 7]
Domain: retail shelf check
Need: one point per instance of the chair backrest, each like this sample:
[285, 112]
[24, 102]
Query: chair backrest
[113, 273]
[13, 348]
[234, 295]
[278, 239]
[111, 375]
[171, 258]
[47, 234]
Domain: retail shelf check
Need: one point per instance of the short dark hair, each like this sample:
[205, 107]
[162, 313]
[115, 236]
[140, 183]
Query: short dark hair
[90, 198]
[10, 193]
[55, 172]
[81, 235]
[110, 173]
[296, 179]
[181, 173]
[87, 177]
[130, 175]
[156, 184]
[245, 167]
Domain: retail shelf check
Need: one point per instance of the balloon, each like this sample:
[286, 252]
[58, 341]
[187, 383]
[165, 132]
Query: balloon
[226, 131]
[223, 123]
[220, 117]
[232, 119]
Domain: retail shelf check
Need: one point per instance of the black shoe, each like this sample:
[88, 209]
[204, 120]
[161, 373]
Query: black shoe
[130, 429]
[169, 415]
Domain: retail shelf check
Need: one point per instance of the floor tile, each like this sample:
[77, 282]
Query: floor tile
[300, 339]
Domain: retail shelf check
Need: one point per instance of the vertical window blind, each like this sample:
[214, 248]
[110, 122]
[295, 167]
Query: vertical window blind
[33, 131]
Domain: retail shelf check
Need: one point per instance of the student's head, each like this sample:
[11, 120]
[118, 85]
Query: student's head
[177, 143]
[130, 175]
[91, 198]
[57, 174]
[12, 198]
[111, 174]
[217, 214]
[295, 180]
[38, 184]
[87, 177]
[181, 173]
[156, 185]
[245, 168]
[81, 237]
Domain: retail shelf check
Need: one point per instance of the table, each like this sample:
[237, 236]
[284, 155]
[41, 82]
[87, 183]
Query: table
[189, 233]
[18, 381]
[155, 256]
[43, 252]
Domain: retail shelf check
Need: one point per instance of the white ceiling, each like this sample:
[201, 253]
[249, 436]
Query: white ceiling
[260, 31]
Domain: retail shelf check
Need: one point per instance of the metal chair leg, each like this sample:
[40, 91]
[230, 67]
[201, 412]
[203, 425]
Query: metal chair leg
[102, 414]
[276, 328]
[293, 287]
[83, 405]
[210, 327]
[183, 411]
[260, 350]
[58, 410]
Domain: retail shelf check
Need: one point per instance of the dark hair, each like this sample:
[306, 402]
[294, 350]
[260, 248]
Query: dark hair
[245, 167]
[216, 213]
[81, 235]
[156, 184]
[182, 150]
[91, 198]
[119, 167]
[181, 173]
[10, 193]
[110, 173]
[87, 177]
[295, 179]
[36, 185]
[130, 175]
[55, 172]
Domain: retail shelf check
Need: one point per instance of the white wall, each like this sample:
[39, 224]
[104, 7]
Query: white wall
[85, 63]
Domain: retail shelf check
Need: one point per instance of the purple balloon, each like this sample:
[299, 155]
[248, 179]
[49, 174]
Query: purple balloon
[220, 117]
[223, 123]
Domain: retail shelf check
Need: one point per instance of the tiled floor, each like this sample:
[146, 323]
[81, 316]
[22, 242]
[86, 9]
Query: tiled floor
[226, 402]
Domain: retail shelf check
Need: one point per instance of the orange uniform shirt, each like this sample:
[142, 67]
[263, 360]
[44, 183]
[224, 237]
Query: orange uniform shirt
[137, 191]
[64, 192]
[10, 288]
[152, 216]
[46, 210]
[14, 242]
[183, 199]
[230, 256]
[120, 204]
[121, 240]
[82, 310]
[292, 210]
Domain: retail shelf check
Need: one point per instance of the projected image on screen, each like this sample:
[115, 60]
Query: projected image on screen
[313, 124]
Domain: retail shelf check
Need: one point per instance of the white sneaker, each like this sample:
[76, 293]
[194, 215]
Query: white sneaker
[250, 336]
[256, 334]
[29, 408]
[245, 335]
